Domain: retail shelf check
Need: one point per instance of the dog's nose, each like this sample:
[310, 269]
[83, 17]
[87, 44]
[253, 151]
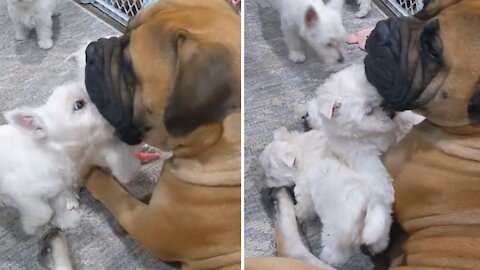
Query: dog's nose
[341, 59]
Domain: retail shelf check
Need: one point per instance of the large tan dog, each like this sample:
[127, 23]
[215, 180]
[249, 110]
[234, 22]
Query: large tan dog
[430, 63]
[431, 59]
[173, 80]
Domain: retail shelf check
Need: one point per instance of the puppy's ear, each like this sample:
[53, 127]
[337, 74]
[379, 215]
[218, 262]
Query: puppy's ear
[288, 159]
[311, 17]
[336, 4]
[330, 109]
[205, 89]
[281, 134]
[432, 7]
[26, 120]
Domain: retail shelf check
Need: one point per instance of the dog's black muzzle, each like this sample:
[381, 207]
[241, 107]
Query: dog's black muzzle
[110, 83]
[386, 64]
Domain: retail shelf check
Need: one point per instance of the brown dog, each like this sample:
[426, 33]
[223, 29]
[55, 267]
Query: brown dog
[429, 63]
[173, 80]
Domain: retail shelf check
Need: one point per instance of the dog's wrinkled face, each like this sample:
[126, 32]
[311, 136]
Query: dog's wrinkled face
[161, 79]
[68, 118]
[429, 62]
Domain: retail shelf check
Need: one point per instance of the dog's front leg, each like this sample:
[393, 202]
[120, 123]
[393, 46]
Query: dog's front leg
[289, 240]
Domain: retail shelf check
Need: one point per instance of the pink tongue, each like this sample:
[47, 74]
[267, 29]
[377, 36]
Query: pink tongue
[360, 37]
[146, 157]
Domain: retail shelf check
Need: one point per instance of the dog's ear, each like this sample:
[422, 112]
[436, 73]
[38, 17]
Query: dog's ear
[204, 89]
[26, 120]
[432, 7]
[281, 134]
[311, 17]
[330, 109]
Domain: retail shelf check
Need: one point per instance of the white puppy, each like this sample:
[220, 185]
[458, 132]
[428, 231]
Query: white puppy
[33, 14]
[337, 169]
[318, 24]
[46, 151]
[364, 8]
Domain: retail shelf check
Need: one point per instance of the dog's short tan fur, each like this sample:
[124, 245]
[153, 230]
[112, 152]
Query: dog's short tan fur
[194, 215]
[436, 168]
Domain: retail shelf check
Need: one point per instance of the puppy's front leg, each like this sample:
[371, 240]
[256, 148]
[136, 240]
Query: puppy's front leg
[21, 31]
[34, 213]
[65, 215]
[296, 50]
[44, 31]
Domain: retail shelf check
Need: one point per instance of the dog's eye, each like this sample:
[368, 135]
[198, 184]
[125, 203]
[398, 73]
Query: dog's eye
[79, 104]
[330, 45]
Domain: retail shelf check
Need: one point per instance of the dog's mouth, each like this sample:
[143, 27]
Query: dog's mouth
[110, 83]
[386, 65]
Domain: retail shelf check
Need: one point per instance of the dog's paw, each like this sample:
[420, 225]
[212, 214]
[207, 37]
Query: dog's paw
[45, 44]
[297, 57]
[67, 220]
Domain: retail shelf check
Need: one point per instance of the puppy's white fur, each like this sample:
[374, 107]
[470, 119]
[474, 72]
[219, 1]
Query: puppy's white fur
[33, 14]
[319, 25]
[336, 168]
[45, 151]
[364, 7]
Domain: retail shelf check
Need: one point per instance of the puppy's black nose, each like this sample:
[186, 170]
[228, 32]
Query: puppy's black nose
[341, 59]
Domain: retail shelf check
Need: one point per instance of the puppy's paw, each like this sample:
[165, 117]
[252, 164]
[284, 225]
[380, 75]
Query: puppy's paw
[45, 44]
[362, 12]
[30, 229]
[378, 246]
[67, 220]
[72, 203]
[297, 57]
[332, 256]
[21, 36]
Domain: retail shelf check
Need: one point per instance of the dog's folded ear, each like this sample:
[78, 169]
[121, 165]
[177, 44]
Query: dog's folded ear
[433, 7]
[26, 120]
[204, 89]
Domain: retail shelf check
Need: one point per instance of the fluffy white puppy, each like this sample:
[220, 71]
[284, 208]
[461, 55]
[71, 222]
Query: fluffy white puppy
[33, 14]
[337, 169]
[45, 151]
[364, 7]
[318, 24]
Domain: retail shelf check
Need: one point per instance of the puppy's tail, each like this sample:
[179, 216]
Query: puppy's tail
[376, 224]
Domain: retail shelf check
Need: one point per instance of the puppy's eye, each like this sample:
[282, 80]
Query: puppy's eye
[369, 111]
[330, 45]
[79, 104]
